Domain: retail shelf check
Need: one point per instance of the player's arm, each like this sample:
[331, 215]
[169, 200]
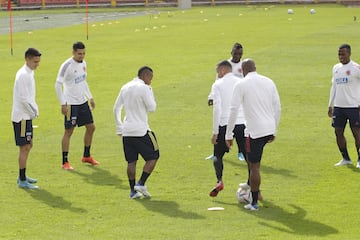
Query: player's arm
[23, 86]
[117, 109]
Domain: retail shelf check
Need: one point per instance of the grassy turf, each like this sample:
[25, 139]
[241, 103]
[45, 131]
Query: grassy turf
[305, 197]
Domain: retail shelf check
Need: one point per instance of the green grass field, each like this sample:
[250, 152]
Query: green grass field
[305, 197]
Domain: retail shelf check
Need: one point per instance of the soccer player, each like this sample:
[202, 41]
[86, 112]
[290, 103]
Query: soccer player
[344, 103]
[261, 103]
[222, 92]
[24, 109]
[137, 99]
[73, 93]
[235, 61]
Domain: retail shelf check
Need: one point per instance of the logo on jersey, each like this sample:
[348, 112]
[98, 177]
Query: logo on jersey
[343, 80]
[348, 72]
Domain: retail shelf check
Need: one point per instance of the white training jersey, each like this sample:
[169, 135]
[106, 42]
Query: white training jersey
[261, 103]
[137, 99]
[71, 86]
[345, 88]
[237, 68]
[222, 92]
[24, 106]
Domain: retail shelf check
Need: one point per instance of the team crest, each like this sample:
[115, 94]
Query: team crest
[348, 72]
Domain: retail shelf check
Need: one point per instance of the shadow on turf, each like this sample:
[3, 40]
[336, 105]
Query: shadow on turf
[168, 208]
[101, 177]
[54, 201]
[264, 168]
[294, 223]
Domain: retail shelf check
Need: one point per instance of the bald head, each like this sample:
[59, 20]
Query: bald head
[248, 65]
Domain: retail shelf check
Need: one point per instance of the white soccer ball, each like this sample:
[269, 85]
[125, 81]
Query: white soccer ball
[243, 195]
[290, 11]
[312, 11]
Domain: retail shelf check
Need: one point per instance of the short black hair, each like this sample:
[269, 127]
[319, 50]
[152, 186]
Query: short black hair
[32, 52]
[224, 63]
[143, 69]
[237, 46]
[78, 45]
[345, 45]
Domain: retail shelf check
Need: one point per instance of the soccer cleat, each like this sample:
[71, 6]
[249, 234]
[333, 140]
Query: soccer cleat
[90, 160]
[252, 207]
[26, 184]
[211, 157]
[358, 164]
[241, 156]
[135, 195]
[142, 189]
[244, 185]
[29, 180]
[343, 162]
[67, 166]
[218, 187]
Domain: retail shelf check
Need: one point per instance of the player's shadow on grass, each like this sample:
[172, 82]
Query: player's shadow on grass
[54, 201]
[293, 223]
[266, 169]
[168, 208]
[101, 177]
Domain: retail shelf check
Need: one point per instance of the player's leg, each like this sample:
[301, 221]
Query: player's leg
[70, 122]
[23, 138]
[131, 157]
[85, 118]
[340, 117]
[149, 150]
[65, 144]
[220, 148]
[240, 140]
[255, 148]
[354, 121]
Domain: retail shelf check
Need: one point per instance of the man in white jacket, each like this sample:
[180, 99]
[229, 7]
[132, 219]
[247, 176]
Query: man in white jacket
[24, 109]
[261, 103]
[137, 99]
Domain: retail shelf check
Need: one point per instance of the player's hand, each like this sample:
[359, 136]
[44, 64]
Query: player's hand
[92, 103]
[229, 143]
[64, 109]
[330, 112]
[214, 138]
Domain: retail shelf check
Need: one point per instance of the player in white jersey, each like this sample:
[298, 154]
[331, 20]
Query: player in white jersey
[235, 61]
[222, 92]
[137, 99]
[24, 109]
[261, 103]
[344, 102]
[73, 93]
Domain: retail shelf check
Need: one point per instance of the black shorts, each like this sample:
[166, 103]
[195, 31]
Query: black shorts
[146, 146]
[23, 132]
[240, 138]
[220, 148]
[79, 115]
[342, 115]
[255, 148]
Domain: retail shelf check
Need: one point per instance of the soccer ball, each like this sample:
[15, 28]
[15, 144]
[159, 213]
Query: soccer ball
[312, 11]
[290, 11]
[243, 195]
